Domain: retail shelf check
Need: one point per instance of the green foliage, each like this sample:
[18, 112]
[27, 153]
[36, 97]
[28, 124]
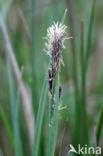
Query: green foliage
[14, 110]
[39, 120]
[7, 125]
[53, 127]
[84, 109]
[99, 126]
[4, 7]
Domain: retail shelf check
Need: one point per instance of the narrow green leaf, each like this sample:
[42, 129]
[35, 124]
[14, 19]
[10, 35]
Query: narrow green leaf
[83, 113]
[71, 5]
[18, 94]
[5, 120]
[85, 59]
[61, 144]
[39, 120]
[89, 35]
[63, 19]
[17, 142]
[34, 100]
[99, 126]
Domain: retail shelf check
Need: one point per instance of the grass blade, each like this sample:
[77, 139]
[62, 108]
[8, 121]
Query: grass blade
[62, 139]
[32, 58]
[71, 4]
[61, 144]
[7, 125]
[18, 94]
[84, 64]
[39, 120]
[18, 147]
[84, 128]
[89, 36]
[26, 102]
[63, 19]
[99, 126]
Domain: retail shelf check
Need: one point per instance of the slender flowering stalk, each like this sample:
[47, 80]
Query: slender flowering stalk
[56, 35]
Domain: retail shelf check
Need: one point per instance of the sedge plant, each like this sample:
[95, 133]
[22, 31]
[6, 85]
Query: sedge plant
[56, 35]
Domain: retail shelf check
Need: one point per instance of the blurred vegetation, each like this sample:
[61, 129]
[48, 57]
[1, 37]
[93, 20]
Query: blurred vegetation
[46, 11]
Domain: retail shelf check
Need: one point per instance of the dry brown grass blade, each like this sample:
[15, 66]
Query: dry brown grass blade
[27, 107]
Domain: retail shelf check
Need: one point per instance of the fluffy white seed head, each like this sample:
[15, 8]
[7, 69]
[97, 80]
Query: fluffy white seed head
[55, 33]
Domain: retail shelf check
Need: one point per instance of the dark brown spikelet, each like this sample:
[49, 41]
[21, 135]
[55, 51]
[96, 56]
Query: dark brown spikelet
[56, 35]
[55, 61]
[60, 92]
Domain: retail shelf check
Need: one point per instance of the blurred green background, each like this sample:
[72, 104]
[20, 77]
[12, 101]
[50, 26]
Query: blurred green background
[17, 14]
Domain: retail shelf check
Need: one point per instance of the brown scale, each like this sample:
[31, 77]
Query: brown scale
[55, 61]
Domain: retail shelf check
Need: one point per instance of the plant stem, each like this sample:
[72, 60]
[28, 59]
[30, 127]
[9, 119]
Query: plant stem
[33, 58]
[26, 103]
[39, 120]
[85, 64]
[62, 139]
[83, 91]
[70, 7]
[89, 36]
[99, 126]
[16, 130]
[7, 125]
[54, 124]
[51, 104]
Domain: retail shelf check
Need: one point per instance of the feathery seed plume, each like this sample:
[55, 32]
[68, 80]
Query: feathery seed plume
[56, 35]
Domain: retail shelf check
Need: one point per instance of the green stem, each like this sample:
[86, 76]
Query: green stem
[62, 139]
[83, 94]
[63, 19]
[16, 130]
[54, 124]
[32, 58]
[39, 120]
[71, 9]
[7, 125]
[99, 126]
[89, 36]
[84, 69]
[51, 104]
